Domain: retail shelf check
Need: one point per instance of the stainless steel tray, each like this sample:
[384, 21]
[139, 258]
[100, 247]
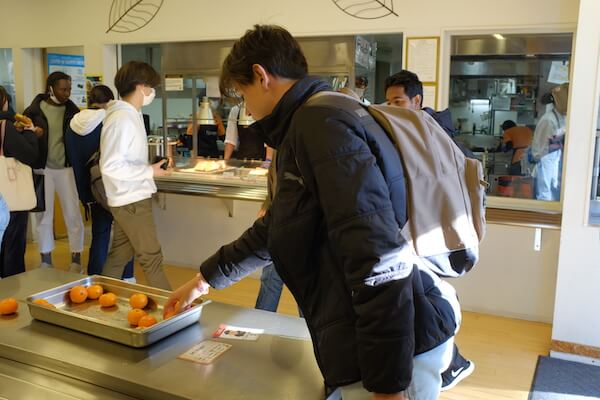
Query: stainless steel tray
[111, 323]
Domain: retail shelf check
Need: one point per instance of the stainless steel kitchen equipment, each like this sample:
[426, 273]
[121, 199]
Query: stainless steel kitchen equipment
[111, 323]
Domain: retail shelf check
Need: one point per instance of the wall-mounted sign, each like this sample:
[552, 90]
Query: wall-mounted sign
[174, 84]
[72, 65]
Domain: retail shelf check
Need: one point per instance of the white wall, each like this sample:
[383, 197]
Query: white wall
[577, 315]
[84, 23]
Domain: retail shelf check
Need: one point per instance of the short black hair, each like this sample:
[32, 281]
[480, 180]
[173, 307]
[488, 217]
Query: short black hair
[100, 94]
[547, 98]
[408, 80]
[54, 77]
[135, 73]
[361, 81]
[508, 124]
[270, 46]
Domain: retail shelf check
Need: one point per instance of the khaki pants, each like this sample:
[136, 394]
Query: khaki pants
[134, 233]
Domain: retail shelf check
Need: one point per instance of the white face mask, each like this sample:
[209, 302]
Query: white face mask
[148, 99]
[53, 97]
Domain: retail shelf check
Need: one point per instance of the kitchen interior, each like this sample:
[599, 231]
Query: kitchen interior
[195, 115]
[499, 77]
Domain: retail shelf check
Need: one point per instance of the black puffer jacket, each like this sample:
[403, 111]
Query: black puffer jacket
[34, 111]
[333, 231]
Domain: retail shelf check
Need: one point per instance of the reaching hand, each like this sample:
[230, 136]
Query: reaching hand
[181, 298]
[157, 168]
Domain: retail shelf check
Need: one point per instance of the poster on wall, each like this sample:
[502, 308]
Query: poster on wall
[73, 66]
[422, 57]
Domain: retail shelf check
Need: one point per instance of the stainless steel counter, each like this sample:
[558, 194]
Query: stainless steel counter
[235, 181]
[280, 365]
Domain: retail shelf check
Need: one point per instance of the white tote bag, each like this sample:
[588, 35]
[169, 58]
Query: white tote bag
[16, 180]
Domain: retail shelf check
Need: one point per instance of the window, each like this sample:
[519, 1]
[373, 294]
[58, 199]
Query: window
[7, 77]
[508, 97]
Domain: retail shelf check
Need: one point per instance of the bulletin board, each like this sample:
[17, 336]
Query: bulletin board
[423, 58]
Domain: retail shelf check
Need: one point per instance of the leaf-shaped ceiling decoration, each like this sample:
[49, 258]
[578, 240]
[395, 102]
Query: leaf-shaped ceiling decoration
[130, 15]
[366, 9]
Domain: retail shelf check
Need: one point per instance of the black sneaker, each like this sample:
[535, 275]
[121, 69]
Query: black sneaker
[459, 369]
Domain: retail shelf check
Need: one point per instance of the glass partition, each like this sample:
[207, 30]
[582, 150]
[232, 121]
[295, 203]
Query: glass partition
[7, 77]
[595, 192]
[508, 99]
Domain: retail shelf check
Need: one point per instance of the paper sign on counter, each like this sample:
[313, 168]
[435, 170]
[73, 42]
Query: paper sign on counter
[205, 352]
[237, 332]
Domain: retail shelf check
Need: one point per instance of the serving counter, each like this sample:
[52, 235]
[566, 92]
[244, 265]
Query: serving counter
[238, 180]
[37, 356]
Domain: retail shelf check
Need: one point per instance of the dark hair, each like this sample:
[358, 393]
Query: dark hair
[508, 124]
[54, 77]
[362, 81]
[100, 94]
[4, 96]
[270, 46]
[135, 73]
[547, 98]
[408, 80]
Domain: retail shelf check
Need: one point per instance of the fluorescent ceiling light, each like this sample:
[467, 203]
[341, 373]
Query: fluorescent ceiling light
[498, 36]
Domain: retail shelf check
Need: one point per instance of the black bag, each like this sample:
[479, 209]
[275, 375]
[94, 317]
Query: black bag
[96, 184]
[40, 192]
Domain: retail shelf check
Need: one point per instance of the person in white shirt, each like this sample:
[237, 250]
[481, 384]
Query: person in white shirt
[128, 178]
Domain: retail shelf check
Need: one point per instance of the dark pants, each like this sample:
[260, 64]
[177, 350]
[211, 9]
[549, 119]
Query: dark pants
[12, 253]
[102, 221]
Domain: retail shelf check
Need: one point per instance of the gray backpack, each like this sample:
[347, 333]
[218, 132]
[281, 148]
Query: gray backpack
[96, 184]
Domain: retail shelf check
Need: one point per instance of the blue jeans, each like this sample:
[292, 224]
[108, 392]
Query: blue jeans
[4, 216]
[426, 379]
[101, 225]
[271, 286]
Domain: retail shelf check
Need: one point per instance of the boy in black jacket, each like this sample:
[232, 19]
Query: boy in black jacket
[333, 232]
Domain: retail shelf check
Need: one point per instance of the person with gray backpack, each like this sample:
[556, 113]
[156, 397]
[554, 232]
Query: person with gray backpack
[381, 322]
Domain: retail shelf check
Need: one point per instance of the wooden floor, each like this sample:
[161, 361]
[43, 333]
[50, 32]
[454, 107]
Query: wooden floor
[504, 350]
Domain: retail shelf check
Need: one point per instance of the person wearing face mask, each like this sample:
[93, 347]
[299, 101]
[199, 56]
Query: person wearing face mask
[546, 149]
[52, 111]
[360, 87]
[82, 141]
[128, 178]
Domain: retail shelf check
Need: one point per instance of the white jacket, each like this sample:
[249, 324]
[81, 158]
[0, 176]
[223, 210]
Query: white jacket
[126, 174]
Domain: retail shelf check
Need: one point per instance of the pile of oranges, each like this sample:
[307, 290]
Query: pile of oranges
[137, 316]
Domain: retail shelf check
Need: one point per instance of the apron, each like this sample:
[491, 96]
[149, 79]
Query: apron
[251, 145]
[207, 141]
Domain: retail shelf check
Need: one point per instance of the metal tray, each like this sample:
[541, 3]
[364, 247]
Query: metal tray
[111, 323]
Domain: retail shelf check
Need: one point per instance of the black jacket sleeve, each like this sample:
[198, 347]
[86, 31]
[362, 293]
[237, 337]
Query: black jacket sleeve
[236, 260]
[336, 161]
[24, 146]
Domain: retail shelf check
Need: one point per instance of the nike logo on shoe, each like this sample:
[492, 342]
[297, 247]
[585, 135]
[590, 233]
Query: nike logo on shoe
[455, 373]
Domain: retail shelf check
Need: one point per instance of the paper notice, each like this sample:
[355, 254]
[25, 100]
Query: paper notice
[212, 87]
[205, 352]
[237, 333]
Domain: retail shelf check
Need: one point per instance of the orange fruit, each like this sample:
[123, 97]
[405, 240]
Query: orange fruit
[94, 291]
[138, 300]
[146, 321]
[8, 306]
[108, 300]
[43, 302]
[133, 316]
[78, 294]
[172, 312]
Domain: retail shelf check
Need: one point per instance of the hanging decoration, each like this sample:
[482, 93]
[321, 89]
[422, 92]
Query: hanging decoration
[131, 15]
[366, 9]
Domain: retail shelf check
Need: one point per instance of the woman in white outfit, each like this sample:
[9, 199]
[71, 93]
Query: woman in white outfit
[52, 111]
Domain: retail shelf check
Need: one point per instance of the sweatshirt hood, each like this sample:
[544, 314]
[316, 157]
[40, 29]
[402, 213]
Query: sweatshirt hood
[120, 105]
[85, 121]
